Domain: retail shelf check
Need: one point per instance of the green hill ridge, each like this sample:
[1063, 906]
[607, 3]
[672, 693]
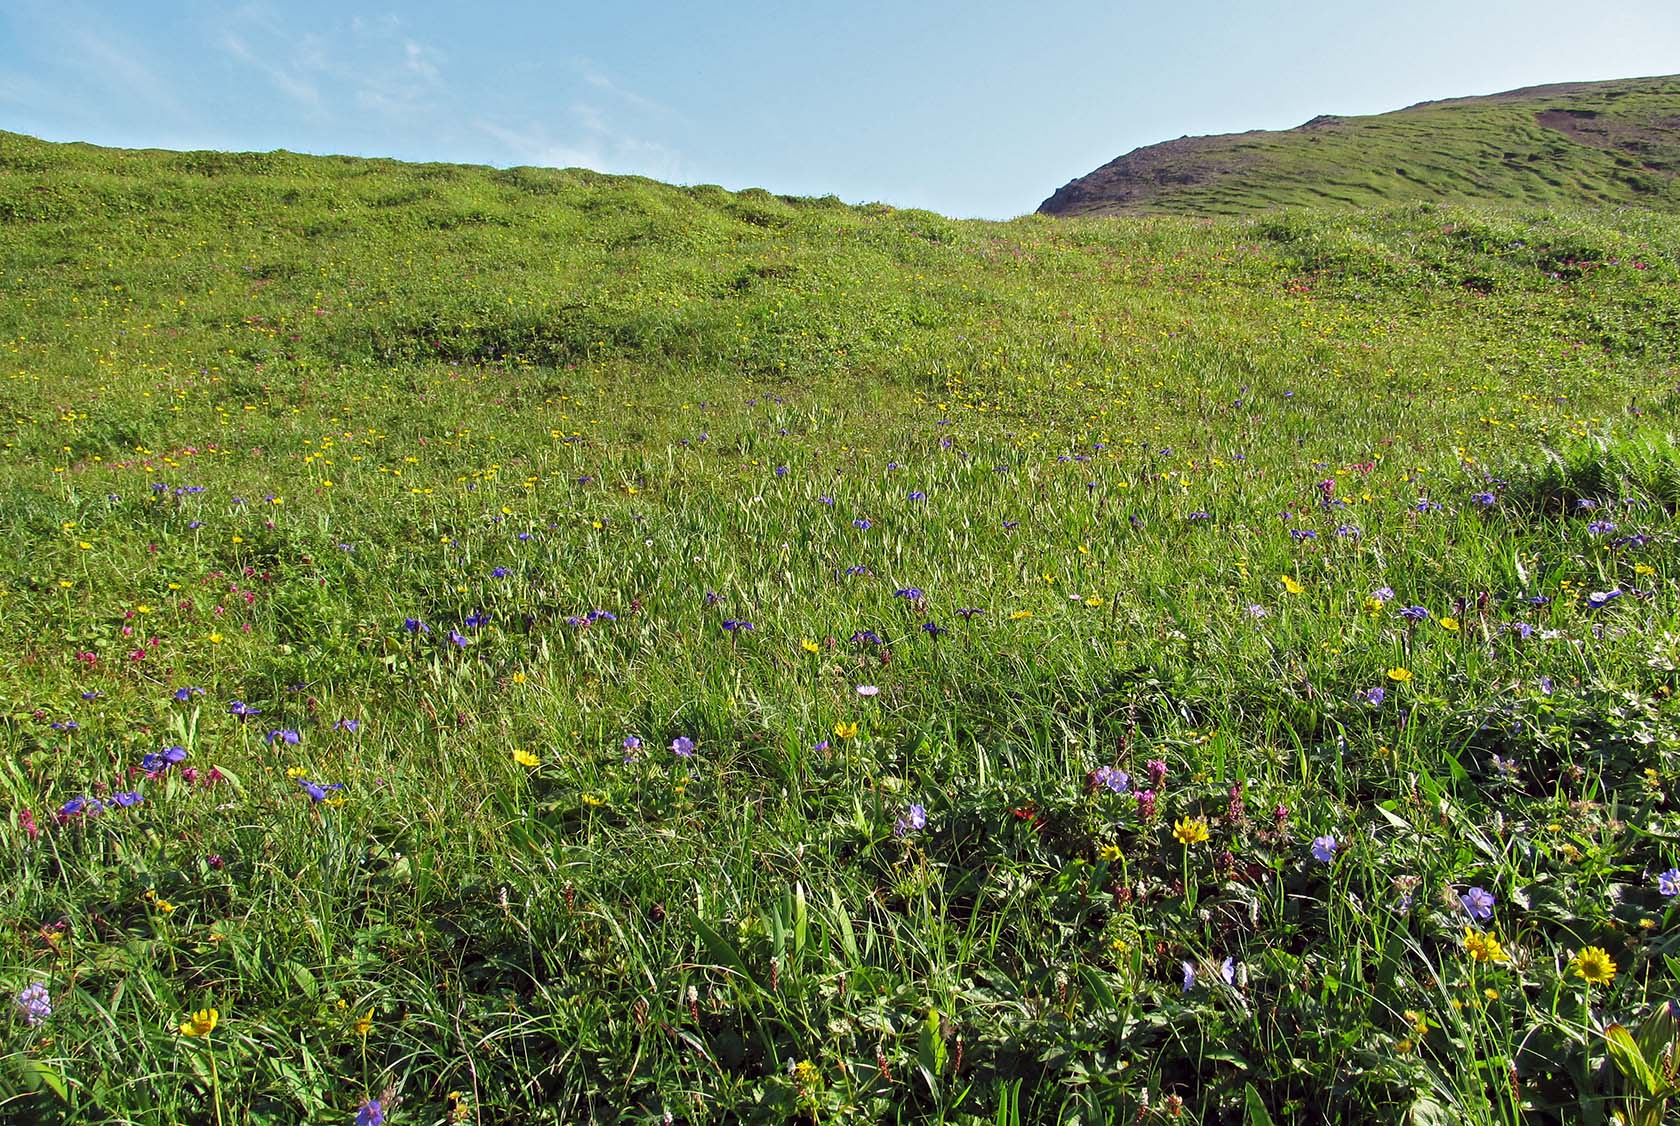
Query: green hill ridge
[1571, 144]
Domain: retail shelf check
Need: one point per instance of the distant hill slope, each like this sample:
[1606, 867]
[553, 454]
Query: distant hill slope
[1573, 144]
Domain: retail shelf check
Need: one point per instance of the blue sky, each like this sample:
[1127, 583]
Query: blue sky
[969, 108]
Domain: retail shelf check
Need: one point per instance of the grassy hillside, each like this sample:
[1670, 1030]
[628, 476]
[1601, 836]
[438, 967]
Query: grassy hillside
[534, 646]
[1582, 144]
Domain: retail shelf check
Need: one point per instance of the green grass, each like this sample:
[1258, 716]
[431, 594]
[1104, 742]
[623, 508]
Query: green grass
[262, 410]
[1593, 144]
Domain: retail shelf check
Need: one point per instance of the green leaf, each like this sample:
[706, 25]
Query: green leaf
[1254, 1108]
[930, 1046]
[1630, 1061]
[37, 1074]
[305, 980]
[1391, 817]
[722, 951]
[1427, 1111]
[801, 921]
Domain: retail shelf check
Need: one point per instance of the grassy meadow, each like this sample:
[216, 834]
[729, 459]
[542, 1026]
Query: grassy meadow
[539, 647]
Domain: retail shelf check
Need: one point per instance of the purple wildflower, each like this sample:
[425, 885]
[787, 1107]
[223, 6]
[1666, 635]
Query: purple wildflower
[910, 821]
[35, 1003]
[1112, 778]
[1479, 903]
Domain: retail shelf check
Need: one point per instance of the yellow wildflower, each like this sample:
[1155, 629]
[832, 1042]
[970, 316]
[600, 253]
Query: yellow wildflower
[845, 730]
[525, 758]
[1400, 675]
[1594, 966]
[1450, 624]
[1191, 830]
[810, 646]
[201, 1023]
[1290, 584]
[1484, 947]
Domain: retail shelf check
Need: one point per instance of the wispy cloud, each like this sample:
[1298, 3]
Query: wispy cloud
[110, 62]
[290, 83]
[607, 130]
[377, 67]
[600, 80]
[596, 147]
[69, 72]
[24, 92]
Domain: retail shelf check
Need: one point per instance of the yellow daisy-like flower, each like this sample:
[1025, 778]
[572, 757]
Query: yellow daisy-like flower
[525, 758]
[1020, 615]
[810, 646]
[845, 730]
[1450, 624]
[1400, 675]
[1190, 830]
[1484, 947]
[1593, 965]
[1290, 584]
[519, 678]
[364, 1024]
[201, 1023]
[1109, 853]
